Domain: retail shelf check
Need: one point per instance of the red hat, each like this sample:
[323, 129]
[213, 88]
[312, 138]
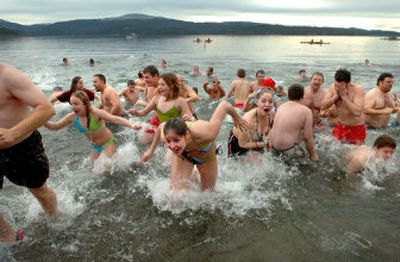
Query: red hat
[269, 82]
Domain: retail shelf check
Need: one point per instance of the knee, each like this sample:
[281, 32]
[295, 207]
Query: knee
[42, 191]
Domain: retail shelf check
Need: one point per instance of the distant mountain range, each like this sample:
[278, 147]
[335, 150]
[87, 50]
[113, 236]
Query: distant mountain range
[151, 25]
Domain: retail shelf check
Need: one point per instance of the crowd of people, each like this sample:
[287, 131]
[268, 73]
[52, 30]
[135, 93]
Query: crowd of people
[266, 118]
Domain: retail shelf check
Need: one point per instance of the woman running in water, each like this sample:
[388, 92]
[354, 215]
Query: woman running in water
[168, 104]
[260, 119]
[193, 144]
[91, 122]
[76, 85]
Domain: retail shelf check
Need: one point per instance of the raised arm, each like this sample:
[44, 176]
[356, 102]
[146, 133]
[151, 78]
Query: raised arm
[208, 130]
[205, 87]
[356, 106]
[21, 87]
[121, 93]
[63, 122]
[330, 98]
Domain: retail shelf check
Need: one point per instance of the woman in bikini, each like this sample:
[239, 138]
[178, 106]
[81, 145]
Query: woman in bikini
[193, 144]
[260, 119]
[168, 103]
[91, 122]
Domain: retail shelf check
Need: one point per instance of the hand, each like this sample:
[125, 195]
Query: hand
[389, 110]
[7, 138]
[136, 126]
[133, 112]
[145, 157]
[314, 157]
[240, 123]
[342, 91]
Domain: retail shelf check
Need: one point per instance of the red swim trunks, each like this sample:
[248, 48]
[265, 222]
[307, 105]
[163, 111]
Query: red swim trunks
[154, 122]
[239, 105]
[354, 135]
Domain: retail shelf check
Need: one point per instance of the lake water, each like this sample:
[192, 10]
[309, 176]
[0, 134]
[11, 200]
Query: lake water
[271, 212]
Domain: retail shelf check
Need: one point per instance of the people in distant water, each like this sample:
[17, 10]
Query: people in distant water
[193, 144]
[65, 61]
[281, 93]
[348, 99]
[302, 78]
[167, 103]
[260, 120]
[293, 124]
[260, 75]
[57, 90]
[91, 122]
[240, 89]
[357, 159]
[367, 62]
[130, 93]
[163, 63]
[76, 84]
[23, 161]
[208, 40]
[91, 62]
[109, 97]
[198, 40]
[313, 96]
[196, 71]
[215, 91]
[379, 103]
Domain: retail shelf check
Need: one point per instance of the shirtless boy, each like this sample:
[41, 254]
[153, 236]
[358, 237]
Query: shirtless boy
[240, 89]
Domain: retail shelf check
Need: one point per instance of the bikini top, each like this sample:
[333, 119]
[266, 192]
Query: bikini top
[171, 113]
[94, 125]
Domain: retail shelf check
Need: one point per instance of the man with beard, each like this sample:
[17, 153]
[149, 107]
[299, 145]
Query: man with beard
[313, 96]
[379, 104]
[109, 97]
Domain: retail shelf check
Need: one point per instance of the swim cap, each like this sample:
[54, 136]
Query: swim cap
[269, 83]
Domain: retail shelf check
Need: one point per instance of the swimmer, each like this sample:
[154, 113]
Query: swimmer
[91, 122]
[193, 144]
[253, 142]
[383, 148]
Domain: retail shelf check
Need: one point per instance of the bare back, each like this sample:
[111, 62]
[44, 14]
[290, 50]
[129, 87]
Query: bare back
[241, 90]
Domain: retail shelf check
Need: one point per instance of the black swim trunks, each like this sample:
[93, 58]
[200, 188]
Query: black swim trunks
[25, 164]
[235, 150]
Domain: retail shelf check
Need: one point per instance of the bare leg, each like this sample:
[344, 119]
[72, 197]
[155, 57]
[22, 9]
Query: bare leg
[47, 199]
[110, 150]
[208, 175]
[94, 155]
[7, 234]
[181, 172]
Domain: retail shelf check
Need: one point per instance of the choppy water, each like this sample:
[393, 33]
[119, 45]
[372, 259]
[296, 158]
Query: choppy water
[268, 212]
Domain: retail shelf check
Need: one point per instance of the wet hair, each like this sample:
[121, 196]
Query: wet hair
[318, 74]
[91, 61]
[296, 92]
[383, 76]
[140, 74]
[196, 90]
[85, 100]
[101, 77]
[385, 140]
[262, 91]
[302, 71]
[343, 75]
[152, 70]
[131, 83]
[177, 125]
[172, 81]
[74, 83]
[65, 59]
[210, 69]
[260, 72]
[241, 73]
[57, 88]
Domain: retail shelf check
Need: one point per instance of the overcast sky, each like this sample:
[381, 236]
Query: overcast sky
[367, 14]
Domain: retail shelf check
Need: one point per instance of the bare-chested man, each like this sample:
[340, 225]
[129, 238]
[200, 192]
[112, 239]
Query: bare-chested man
[140, 83]
[379, 103]
[313, 96]
[22, 157]
[131, 93]
[348, 98]
[109, 97]
[215, 91]
[293, 124]
[151, 77]
[240, 89]
[258, 84]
